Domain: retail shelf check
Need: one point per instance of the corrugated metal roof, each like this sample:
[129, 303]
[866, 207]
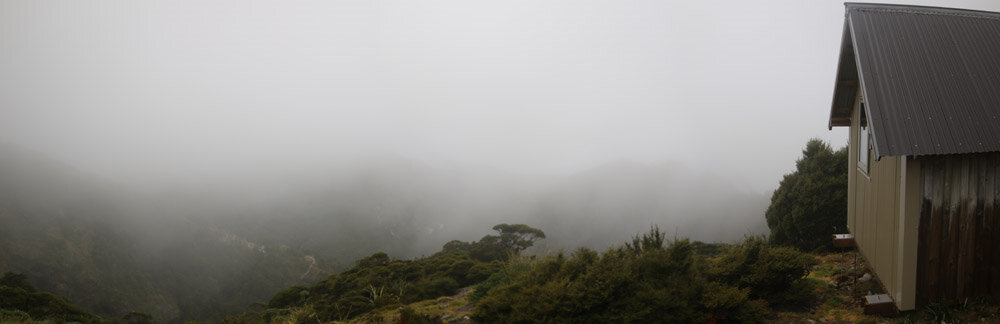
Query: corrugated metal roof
[930, 77]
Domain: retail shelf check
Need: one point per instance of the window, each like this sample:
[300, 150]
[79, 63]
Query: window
[863, 141]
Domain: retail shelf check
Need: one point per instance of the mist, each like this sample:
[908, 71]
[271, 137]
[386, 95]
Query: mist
[196, 142]
[175, 92]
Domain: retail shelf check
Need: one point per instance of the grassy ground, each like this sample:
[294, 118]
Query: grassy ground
[838, 298]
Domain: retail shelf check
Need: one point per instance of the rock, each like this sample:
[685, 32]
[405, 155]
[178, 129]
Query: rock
[866, 277]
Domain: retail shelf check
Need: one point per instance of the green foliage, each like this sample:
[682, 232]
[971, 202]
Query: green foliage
[771, 273]
[27, 304]
[811, 203]
[940, 312]
[14, 315]
[652, 241]
[379, 281]
[268, 315]
[293, 296]
[16, 280]
[515, 266]
[510, 240]
[648, 280]
[517, 237]
[708, 249]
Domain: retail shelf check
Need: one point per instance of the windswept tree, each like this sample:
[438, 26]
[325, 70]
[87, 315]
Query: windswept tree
[811, 203]
[517, 237]
[511, 240]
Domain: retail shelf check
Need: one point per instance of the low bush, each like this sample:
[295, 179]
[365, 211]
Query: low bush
[647, 280]
[768, 272]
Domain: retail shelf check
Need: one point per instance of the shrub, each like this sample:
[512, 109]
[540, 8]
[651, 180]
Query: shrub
[645, 281]
[43, 306]
[16, 280]
[293, 296]
[377, 280]
[771, 273]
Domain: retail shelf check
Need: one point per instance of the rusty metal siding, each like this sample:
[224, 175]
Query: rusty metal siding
[930, 76]
[959, 255]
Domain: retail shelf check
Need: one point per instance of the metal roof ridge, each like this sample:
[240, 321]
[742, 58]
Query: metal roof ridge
[922, 10]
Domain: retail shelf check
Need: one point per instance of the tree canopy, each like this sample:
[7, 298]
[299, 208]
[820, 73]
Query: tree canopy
[811, 203]
[517, 237]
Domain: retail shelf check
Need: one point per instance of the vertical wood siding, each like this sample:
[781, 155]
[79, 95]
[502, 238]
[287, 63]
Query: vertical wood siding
[959, 255]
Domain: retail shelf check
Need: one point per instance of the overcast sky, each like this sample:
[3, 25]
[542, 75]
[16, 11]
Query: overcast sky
[181, 89]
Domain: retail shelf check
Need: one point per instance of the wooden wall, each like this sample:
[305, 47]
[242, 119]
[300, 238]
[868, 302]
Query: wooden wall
[959, 235]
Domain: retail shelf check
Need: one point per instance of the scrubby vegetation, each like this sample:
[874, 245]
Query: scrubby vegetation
[378, 280]
[650, 279]
[20, 302]
[647, 280]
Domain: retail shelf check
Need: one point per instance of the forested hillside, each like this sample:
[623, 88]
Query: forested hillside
[199, 251]
[77, 237]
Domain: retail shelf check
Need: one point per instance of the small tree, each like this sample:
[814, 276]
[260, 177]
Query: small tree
[811, 203]
[512, 239]
[517, 237]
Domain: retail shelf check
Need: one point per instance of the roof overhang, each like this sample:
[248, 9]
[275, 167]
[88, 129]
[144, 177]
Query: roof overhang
[846, 87]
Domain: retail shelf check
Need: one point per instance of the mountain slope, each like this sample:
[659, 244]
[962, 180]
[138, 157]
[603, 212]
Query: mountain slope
[75, 236]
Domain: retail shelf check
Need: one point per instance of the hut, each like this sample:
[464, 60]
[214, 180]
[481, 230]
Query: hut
[919, 88]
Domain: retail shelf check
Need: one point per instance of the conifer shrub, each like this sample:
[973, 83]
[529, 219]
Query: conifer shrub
[810, 204]
[771, 273]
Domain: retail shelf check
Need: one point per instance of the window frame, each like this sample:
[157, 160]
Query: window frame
[864, 143]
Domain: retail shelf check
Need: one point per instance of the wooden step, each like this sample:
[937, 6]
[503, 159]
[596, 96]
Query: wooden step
[879, 304]
[843, 240]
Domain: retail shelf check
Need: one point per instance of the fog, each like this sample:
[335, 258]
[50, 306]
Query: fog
[480, 112]
[403, 125]
[176, 91]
